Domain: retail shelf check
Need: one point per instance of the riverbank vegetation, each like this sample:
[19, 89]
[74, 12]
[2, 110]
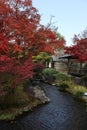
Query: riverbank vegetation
[23, 100]
[64, 83]
[14, 104]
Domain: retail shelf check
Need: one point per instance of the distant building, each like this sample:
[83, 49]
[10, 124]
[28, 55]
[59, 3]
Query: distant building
[66, 63]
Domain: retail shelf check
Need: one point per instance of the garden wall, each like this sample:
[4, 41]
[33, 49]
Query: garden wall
[61, 67]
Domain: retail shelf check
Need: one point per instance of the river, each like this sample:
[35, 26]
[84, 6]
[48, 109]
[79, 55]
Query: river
[62, 113]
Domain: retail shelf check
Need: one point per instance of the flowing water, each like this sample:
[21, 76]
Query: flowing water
[62, 113]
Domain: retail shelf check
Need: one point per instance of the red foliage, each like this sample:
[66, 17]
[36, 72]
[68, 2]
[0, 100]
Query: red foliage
[21, 36]
[79, 49]
[14, 70]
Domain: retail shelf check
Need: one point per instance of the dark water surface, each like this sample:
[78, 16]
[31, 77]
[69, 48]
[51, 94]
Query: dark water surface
[62, 113]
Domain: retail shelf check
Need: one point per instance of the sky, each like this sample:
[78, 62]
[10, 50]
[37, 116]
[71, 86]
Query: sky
[70, 16]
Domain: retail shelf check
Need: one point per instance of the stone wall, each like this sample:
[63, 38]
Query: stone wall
[71, 67]
[61, 67]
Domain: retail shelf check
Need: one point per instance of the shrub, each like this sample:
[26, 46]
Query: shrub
[63, 87]
[49, 74]
[76, 90]
[84, 80]
[78, 95]
[14, 99]
[62, 77]
[52, 73]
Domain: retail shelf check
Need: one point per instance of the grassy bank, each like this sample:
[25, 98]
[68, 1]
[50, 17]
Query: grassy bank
[12, 112]
[15, 104]
[64, 83]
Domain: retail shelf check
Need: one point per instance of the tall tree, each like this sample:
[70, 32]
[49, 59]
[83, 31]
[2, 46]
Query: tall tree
[79, 49]
[21, 37]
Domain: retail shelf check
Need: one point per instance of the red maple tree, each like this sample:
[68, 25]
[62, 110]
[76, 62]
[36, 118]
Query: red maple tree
[21, 36]
[79, 49]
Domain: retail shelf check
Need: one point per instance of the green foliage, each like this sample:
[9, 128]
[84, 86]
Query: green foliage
[84, 80]
[74, 87]
[42, 57]
[63, 87]
[76, 90]
[28, 82]
[12, 112]
[50, 73]
[14, 104]
[62, 77]
[18, 98]
[78, 95]
[38, 71]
